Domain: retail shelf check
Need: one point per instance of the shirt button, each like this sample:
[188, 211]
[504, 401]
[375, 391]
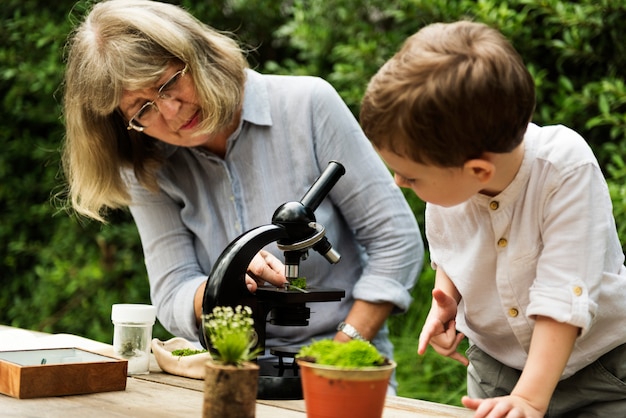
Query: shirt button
[578, 290]
[513, 312]
[494, 204]
[502, 242]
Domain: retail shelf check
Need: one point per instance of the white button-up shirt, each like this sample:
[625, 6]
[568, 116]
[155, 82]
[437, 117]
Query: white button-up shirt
[547, 245]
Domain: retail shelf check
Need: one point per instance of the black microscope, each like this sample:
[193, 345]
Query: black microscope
[295, 230]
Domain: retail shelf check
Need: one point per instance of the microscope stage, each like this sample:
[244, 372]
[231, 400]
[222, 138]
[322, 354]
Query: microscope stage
[311, 294]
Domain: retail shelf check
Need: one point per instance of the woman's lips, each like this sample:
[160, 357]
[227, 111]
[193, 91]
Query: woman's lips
[191, 123]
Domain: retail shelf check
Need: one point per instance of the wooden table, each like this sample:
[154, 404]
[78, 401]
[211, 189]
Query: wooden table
[159, 394]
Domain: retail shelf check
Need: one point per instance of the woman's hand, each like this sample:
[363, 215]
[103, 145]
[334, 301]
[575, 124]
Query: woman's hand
[264, 267]
[440, 328]
[504, 406]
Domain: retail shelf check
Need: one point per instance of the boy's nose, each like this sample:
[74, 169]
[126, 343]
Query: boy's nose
[399, 180]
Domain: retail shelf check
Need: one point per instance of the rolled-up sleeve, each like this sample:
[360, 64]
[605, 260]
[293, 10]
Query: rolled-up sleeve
[571, 267]
[372, 204]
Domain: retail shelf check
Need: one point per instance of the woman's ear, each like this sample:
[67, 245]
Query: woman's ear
[483, 170]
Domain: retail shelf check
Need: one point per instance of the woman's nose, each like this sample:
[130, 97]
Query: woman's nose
[169, 107]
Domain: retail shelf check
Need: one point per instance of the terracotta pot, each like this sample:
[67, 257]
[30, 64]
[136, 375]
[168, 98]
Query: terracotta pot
[332, 392]
[230, 391]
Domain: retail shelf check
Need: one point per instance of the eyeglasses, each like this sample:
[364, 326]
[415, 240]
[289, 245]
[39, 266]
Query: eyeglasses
[146, 115]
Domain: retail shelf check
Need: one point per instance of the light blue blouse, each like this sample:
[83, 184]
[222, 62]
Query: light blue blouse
[292, 126]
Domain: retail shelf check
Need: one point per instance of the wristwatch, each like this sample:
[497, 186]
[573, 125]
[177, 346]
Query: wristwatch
[350, 331]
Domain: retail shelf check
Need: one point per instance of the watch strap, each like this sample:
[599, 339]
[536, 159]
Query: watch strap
[350, 331]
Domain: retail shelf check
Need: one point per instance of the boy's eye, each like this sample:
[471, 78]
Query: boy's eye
[407, 180]
[404, 180]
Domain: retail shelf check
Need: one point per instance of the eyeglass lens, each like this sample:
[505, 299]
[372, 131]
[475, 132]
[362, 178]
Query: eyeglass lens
[148, 111]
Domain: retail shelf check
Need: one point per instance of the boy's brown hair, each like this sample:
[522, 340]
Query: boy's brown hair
[452, 92]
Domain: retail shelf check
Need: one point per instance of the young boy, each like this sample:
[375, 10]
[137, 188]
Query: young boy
[519, 222]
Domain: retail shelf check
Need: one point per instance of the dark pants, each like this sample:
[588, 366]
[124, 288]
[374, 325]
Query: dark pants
[598, 390]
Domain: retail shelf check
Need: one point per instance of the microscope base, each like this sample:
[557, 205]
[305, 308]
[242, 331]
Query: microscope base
[279, 380]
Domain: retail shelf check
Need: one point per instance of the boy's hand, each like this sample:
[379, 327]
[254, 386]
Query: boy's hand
[504, 406]
[440, 328]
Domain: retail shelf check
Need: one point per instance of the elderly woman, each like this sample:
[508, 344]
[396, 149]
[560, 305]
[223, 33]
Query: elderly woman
[164, 116]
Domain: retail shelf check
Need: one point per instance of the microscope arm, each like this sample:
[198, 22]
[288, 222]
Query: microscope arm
[226, 284]
[293, 225]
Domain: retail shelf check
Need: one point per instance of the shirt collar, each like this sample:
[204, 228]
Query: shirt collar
[255, 109]
[256, 106]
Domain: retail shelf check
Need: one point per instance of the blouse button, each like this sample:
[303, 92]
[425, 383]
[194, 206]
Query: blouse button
[494, 204]
[513, 312]
[502, 242]
[578, 290]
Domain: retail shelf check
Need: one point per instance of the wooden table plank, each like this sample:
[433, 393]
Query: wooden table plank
[395, 406]
[141, 399]
[159, 394]
[398, 407]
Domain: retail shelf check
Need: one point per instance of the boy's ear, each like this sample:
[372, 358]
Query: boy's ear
[483, 170]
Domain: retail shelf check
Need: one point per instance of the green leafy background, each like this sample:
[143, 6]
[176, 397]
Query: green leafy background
[59, 273]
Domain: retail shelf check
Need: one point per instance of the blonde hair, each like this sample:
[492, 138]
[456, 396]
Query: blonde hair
[128, 45]
[452, 92]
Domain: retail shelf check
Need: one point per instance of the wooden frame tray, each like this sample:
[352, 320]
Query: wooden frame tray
[58, 372]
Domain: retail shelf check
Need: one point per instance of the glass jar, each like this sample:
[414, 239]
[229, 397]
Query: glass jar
[132, 335]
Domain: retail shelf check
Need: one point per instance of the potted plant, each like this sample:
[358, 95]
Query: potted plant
[344, 379]
[231, 378]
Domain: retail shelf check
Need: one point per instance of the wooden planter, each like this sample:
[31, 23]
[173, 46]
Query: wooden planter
[332, 392]
[230, 391]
